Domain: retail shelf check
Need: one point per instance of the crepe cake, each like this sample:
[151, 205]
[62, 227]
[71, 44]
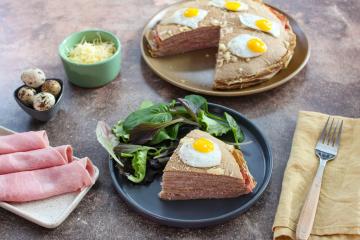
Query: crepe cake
[216, 29]
[192, 174]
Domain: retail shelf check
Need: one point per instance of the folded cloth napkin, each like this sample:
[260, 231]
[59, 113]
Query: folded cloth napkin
[338, 212]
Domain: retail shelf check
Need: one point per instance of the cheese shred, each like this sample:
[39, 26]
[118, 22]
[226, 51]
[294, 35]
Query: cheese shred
[91, 52]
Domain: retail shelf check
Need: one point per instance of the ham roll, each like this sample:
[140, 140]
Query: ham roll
[44, 183]
[36, 159]
[22, 142]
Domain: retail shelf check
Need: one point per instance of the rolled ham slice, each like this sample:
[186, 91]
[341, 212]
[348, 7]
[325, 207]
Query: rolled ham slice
[22, 142]
[36, 159]
[44, 183]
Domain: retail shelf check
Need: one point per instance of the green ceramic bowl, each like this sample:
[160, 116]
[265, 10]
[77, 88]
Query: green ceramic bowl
[91, 75]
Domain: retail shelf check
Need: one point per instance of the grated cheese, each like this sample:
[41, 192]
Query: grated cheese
[91, 52]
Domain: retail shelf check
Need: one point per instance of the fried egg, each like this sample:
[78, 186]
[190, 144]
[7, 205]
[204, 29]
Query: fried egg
[189, 17]
[200, 153]
[234, 6]
[247, 46]
[260, 23]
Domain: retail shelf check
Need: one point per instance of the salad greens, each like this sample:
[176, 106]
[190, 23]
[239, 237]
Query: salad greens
[213, 126]
[107, 140]
[143, 142]
[238, 134]
[156, 114]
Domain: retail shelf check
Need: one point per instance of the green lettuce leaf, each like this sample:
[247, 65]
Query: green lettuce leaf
[212, 126]
[120, 133]
[167, 133]
[138, 162]
[145, 132]
[238, 133]
[107, 140]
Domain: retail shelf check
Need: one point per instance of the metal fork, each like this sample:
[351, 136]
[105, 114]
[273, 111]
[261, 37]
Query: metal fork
[326, 149]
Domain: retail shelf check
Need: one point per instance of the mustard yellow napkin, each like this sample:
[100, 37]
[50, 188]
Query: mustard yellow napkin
[338, 213]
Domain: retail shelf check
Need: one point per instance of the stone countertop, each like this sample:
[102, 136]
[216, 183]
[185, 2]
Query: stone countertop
[30, 31]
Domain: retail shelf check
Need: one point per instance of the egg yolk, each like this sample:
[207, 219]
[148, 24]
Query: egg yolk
[191, 12]
[264, 25]
[256, 45]
[203, 145]
[232, 6]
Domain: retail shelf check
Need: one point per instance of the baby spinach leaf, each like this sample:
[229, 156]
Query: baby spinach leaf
[238, 133]
[201, 103]
[212, 126]
[146, 131]
[168, 133]
[158, 113]
[198, 101]
[138, 163]
[107, 140]
[190, 108]
[216, 117]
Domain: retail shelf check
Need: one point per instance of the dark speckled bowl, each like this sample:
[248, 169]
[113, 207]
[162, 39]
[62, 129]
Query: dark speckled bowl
[41, 115]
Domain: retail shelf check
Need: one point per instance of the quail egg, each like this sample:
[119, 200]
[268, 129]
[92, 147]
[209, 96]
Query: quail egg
[51, 86]
[43, 101]
[200, 153]
[33, 77]
[26, 95]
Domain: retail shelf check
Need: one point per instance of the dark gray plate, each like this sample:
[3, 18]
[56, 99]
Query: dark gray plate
[200, 213]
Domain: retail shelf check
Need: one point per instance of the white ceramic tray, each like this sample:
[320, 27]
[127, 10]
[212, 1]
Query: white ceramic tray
[50, 212]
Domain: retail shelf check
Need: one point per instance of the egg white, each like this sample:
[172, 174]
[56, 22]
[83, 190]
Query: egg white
[193, 158]
[238, 46]
[179, 18]
[249, 20]
[221, 4]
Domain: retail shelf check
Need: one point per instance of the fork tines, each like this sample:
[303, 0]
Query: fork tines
[331, 135]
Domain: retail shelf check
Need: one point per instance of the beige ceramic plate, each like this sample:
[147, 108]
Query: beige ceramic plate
[50, 212]
[194, 71]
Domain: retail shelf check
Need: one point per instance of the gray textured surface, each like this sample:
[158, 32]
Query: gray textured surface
[30, 32]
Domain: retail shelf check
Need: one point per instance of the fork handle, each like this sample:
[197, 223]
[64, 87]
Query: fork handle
[307, 215]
